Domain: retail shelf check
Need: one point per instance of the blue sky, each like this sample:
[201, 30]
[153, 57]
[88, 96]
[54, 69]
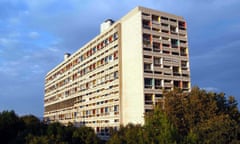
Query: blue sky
[34, 35]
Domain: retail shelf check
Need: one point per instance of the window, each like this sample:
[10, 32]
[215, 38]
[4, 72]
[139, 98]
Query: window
[106, 59]
[174, 43]
[184, 65]
[185, 85]
[183, 51]
[110, 58]
[115, 55]
[115, 74]
[156, 47]
[146, 40]
[175, 71]
[146, 24]
[147, 67]
[94, 49]
[155, 19]
[158, 83]
[176, 84]
[148, 82]
[115, 36]
[173, 29]
[157, 61]
[182, 25]
[148, 98]
[116, 107]
[106, 109]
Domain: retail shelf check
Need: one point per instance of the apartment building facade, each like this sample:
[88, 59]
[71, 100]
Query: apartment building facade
[120, 74]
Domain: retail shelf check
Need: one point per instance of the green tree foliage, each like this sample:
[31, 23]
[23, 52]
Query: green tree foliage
[129, 134]
[158, 128]
[10, 124]
[85, 135]
[203, 117]
[30, 130]
[197, 117]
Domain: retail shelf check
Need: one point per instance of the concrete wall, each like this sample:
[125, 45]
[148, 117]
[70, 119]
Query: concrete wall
[132, 98]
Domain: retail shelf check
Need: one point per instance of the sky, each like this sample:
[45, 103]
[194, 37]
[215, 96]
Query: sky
[35, 34]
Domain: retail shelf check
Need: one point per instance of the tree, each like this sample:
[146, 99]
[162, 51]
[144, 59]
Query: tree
[158, 128]
[129, 134]
[203, 117]
[85, 135]
[32, 124]
[10, 125]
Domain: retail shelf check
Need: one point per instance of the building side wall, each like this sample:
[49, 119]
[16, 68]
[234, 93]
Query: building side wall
[132, 98]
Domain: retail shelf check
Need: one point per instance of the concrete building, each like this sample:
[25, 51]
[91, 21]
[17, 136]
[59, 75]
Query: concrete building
[120, 74]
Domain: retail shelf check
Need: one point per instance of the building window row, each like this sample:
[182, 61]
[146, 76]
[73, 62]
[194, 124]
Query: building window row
[156, 41]
[96, 112]
[150, 19]
[154, 83]
[84, 56]
[82, 72]
[108, 78]
[150, 83]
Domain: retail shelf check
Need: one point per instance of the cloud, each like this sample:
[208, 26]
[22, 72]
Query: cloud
[212, 89]
[33, 35]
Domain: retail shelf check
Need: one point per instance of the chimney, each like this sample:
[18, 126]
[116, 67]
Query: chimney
[66, 56]
[106, 24]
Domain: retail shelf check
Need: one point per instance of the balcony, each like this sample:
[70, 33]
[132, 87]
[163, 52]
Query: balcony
[183, 44]
[166, 28]
[167, 62]
[146, 27]
[164, 20]
[185, 72]
[168, 85]
[165, 41]
[155, 25]
[146, 17]
[184, 32]
[148, 102]
[158, 87]
[156, 40]
[156, 22]
[148, 86]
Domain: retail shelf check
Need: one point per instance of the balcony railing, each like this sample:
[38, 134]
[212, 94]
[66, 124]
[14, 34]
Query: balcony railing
[148, 86]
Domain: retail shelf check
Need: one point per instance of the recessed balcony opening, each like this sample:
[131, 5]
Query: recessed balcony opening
[148, 98]
[184, 65]
[158, 84]
[185, 85]
[156, 47]
[183, 51]
[175, 70]
[182, 25]
[175, 43]
[155, 19]
[146, 24]
[148, 83]
[176, 84]
[157, 61]
[173, 29]
[148, 67]
[147, 40]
